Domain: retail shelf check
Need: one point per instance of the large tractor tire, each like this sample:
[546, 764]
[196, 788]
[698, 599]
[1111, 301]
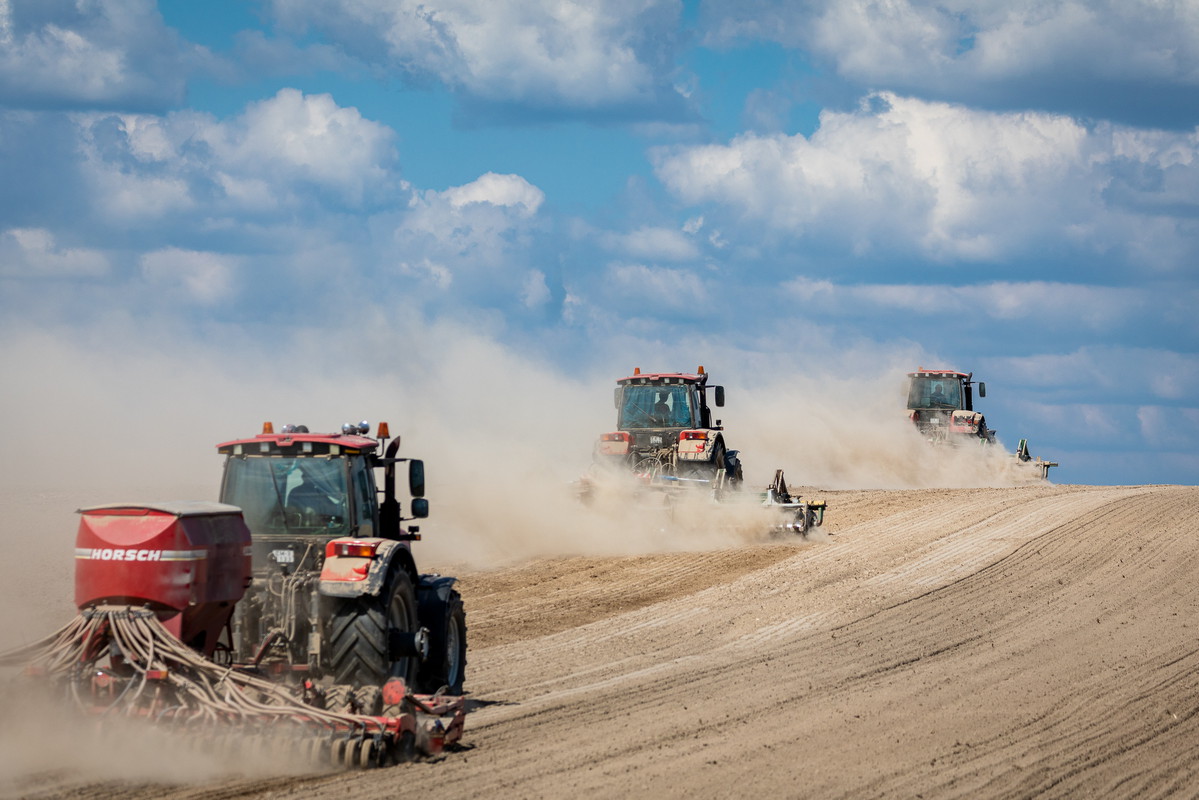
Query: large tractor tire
[717, 462]
[363, 632]
[446, 664]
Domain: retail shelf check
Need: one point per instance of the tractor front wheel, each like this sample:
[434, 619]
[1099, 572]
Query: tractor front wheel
[446, 665]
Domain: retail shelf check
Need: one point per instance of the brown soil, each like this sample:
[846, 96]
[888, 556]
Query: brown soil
[1036, 641]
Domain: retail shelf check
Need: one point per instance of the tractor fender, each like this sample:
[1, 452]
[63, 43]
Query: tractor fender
[433, 597]
[732, 465]
[353, 576]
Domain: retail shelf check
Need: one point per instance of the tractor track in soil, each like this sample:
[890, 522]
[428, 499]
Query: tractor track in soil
[1034, 641]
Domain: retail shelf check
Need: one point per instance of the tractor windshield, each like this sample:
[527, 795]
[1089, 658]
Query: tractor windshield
[934, 392]
[647, 406]
[289, 495]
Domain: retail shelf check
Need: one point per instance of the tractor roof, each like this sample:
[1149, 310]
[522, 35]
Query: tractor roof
[922, 372]
[663, 377]
[299, 444]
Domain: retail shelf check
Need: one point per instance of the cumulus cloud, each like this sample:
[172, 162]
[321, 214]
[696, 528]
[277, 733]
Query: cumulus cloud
[945, 182]
[307, 189]
[475, 237]
[509, 191]
[35, 253]
[545, 54]
[1086, 56]
[309, 138]
[288, 152]
[85, 55]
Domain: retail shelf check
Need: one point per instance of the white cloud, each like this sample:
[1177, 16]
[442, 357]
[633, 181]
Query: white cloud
[949, 183]
[1096, 307]
[536, 292]
[431, 272]
[1085, 421]
[808, 289]
[539, 52]
[966, 46]
[296, 137]
[1117, 372]
[475, 237]
[57, 53]
[677, 289]
[206, 277]
[511, 191]
[33, 252]
[659, 244]
[286, 152]
[1170, 428]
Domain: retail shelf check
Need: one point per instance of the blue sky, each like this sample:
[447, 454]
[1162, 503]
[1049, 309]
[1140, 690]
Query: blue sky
[229, 200]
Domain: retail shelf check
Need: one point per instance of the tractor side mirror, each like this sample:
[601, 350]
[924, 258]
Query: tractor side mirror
[419, 508]
[719, 396]
[616, 397]
[982, 389]
[416, 478]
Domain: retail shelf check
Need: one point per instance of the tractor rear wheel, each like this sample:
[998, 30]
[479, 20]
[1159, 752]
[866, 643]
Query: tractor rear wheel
[718, 461]
[363, 630]
[446, 665]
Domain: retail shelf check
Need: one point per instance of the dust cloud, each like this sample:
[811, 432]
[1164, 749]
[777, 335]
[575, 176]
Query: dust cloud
[837, 432]
[505, 435]
[43, 746]
[119, 414]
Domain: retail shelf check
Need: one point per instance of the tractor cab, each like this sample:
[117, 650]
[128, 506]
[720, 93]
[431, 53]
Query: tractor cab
[664, 401]
[941, 403]
[297, 489]
[941, 389]
[654, 410]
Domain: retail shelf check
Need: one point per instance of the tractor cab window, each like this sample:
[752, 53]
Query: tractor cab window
[657, 407]
[932, 392]
[366, 497]
[289, 495]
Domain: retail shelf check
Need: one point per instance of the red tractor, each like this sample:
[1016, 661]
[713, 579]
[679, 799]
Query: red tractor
[665, 430]
[941, 405]
[336, 591]
[292, 609]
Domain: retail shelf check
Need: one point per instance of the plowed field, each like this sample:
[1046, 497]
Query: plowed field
[1038, 641]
